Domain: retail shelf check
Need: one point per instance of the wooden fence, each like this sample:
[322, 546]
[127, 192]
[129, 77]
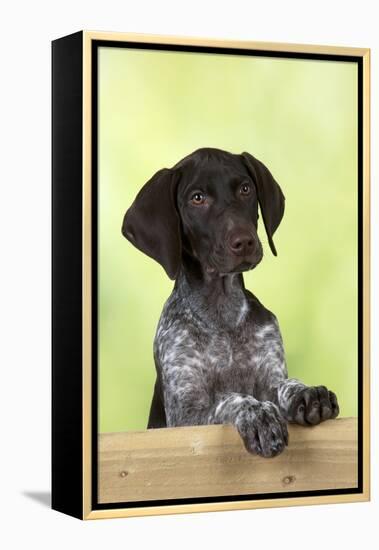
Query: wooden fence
[211, 461]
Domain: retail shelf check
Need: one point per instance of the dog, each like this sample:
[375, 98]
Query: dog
[218, 351]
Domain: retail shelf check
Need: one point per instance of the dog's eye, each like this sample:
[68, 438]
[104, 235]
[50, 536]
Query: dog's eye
[245, 189]
[198, 198]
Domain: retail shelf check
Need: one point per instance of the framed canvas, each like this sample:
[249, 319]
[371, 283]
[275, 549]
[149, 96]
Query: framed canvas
[210, 275]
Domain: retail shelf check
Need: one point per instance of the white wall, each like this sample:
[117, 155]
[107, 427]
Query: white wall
[27, 28]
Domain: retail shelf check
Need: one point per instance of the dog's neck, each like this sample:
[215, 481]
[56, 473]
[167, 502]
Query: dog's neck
[220, 298]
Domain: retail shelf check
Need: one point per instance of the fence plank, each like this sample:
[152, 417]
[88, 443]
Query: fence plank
[206, 461]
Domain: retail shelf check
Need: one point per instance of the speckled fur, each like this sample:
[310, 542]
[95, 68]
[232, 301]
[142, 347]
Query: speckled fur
[229, 367]
[222, 366]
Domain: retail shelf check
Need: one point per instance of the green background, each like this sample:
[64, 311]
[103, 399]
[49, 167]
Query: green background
[300, 118]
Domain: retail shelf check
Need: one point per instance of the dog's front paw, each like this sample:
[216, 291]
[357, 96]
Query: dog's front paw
[263, 429]
[313, 405]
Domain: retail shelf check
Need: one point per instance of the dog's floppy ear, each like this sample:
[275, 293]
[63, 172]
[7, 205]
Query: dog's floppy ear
[270, 196]
[152, 222]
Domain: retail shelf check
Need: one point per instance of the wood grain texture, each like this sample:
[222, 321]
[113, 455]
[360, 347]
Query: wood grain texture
[207, 461]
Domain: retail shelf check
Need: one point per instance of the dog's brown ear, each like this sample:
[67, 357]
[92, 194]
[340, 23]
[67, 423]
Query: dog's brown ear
[270, 196]
[152, 222]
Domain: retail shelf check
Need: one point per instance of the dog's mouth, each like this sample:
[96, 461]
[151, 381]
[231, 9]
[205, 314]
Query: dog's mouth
[242, 267]
[221, 262]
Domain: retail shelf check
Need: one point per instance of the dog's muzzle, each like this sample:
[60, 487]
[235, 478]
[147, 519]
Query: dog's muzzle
[241, 243]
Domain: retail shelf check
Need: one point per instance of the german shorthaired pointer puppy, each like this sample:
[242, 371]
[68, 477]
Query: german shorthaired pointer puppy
[218, 351]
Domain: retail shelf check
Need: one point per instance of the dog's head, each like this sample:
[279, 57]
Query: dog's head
[206, 207]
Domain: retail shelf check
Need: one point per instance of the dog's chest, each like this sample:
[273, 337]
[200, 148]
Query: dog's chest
[231, 362]
[224, 360]
[222, 352]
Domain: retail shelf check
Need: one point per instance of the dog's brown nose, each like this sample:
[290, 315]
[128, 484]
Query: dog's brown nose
[241, 243]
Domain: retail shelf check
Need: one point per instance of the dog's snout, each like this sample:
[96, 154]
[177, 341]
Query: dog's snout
[241, 243]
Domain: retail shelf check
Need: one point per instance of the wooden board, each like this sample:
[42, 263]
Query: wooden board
[206, 461]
